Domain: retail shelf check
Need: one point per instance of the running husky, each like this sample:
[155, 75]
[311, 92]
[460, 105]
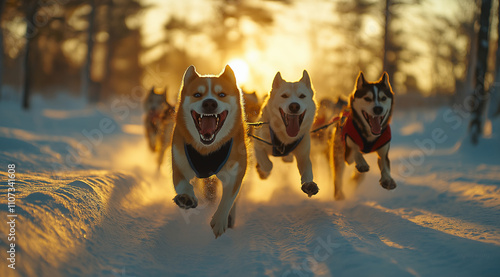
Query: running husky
[209, 139]
[158, 122]
[252, 106]
[290, 109]
[364, 128]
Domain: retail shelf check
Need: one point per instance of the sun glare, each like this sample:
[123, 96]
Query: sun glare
[241, 70]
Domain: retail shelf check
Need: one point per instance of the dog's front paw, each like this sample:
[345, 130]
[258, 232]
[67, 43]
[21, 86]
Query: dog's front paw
[185, 201]
[362, 167]
[262, 174]
[388, 184]
[310, 188]
[339, 195]
[219, 225]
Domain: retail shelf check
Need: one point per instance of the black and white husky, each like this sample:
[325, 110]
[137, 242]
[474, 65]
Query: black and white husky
[364, 128]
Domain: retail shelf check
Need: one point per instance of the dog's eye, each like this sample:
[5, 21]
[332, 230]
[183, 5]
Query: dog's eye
[222, 94]
[368, 99]
[383, 98]
[284, 96]
[302, 96]
[197, 95]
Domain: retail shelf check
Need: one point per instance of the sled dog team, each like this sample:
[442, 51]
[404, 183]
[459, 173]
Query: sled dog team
[210, 134]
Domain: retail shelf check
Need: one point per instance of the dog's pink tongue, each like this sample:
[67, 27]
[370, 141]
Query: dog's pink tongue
[208, 125]
[375, 124]
[293, 125]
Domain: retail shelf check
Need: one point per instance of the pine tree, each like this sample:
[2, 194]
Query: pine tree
[86, 71]
[31, 32]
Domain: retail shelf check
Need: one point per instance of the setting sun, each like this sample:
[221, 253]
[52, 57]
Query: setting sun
[241, 70]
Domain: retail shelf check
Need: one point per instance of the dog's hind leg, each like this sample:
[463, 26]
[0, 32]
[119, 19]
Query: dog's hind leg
[161, 154]
[150, 136]
[161, 142]
[338, 168]
[210, 189]
[337, 163]
[384, 164]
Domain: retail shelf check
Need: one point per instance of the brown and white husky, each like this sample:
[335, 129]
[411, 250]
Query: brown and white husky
[290, 109]
[158, 122]
[209, 138]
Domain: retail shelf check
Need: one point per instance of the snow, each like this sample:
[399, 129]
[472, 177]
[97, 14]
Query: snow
[90, 203]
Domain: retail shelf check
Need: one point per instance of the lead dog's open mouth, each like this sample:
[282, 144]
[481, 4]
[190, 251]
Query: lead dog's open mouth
[208, 125]
[375, 122]
[292, 122]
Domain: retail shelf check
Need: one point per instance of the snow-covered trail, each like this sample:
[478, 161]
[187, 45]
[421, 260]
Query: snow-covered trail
[112, 214]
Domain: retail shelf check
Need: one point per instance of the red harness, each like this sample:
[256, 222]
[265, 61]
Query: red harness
[349, 129]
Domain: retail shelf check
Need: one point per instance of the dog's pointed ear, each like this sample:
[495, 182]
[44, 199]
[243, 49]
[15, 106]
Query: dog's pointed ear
[385, 79]
[152, 90]
[360, 81]
[228, 74]
[277, 80]
[190, 75]
[306, 79]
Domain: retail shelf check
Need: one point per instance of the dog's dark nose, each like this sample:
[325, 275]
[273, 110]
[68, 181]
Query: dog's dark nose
[294, 107]
[377, 110]
[209, 106]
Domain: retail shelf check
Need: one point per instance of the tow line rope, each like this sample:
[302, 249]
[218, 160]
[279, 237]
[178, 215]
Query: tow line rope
[259, 124]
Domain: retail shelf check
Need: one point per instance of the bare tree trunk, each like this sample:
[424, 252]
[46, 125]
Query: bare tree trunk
[471, 63]
[480, 94]
[106, 79]
[2, 5]
[31, 32]
[86, 72]
[494, 107]
[386, 34]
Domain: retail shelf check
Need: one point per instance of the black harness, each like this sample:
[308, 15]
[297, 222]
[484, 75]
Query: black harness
[279, 148]
[207, 165]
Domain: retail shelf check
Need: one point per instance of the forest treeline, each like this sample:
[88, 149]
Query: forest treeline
[94, 48]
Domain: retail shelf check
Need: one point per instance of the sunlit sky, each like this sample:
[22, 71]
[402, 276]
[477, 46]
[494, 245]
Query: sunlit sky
[288, 47]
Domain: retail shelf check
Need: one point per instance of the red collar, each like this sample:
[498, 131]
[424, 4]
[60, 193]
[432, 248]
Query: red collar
[351, 130]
